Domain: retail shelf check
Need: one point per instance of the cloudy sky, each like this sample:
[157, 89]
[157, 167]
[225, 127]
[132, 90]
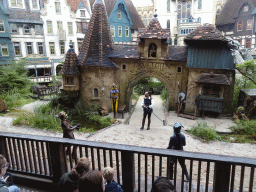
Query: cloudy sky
[141, 2]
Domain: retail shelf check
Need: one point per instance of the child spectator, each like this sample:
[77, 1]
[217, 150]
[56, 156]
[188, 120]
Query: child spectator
[162, 184]
[111, 186]
[6, 183]
[92, 181]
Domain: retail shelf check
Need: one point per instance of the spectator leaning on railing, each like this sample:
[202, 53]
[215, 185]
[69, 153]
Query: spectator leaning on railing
[69, 181]
[6, 182]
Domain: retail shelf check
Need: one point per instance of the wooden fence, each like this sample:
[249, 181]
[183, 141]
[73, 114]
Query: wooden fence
[136, 167]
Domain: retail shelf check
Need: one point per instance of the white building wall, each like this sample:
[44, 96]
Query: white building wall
[48, 13]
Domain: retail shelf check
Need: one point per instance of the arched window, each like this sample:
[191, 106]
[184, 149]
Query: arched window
[168, 5]
[184, 10]
[168, 24]
[152, 50]
[95, 92]
[199, 4]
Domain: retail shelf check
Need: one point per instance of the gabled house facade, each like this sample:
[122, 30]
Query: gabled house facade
[6, 52]
[236, 20]
[123, 19]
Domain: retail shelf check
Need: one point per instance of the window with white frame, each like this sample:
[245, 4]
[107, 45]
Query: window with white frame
[120, 31]
[52, 48]
[17, 49]
[79, 27]
[57, 8]
[40, 48]
[29, 47]
[249, 24]
[62, 47]
[199, 6]
[126, 31]
[70, 28]
[26, 29]
[14, 28]
[49, 27]
[239, 25]
[38, 29]
[82, 13]
[35, 4]
[119, 14]
[59, 25]
[4, 49]
[16, 3]
[112, 29]
[2, 25]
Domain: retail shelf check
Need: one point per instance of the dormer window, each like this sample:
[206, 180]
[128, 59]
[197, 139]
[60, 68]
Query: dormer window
[246, 8]
[119, 14]
[152, 50]
[82, 13]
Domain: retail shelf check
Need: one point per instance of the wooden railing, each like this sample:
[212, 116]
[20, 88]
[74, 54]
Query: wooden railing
[136, 167]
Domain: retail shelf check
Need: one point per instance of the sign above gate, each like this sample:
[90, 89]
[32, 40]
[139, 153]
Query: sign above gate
[154, 66]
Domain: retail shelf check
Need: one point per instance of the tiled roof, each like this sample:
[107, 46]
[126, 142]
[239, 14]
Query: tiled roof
[124, 51]
[154, 31]
[212, 78]
[136, 20]
[178, 53]
[205, 32]
[97, 42]
[70, 65]
[230, 11]
[74, 4]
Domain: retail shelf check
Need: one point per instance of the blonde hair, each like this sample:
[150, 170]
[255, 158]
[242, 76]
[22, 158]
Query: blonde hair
[108, 173]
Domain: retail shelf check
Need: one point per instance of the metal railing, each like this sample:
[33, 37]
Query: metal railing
[136, 167]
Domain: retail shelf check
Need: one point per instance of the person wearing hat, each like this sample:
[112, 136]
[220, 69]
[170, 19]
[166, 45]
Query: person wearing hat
[177, 141]
[67, 129]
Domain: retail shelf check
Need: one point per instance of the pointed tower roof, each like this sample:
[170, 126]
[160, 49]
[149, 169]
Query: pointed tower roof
[154, 30]
[70, 65]
[97, 42]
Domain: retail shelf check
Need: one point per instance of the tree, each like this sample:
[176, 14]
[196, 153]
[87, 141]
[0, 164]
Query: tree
[247, 69]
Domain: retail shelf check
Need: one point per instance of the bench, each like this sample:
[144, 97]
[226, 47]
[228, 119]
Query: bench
[121, 109]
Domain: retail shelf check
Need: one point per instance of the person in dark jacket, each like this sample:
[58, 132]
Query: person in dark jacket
[162, 184]
[147, 105]
[6, 181]
[111, 186]
[68, 130]
[69, 181]
[177, 141]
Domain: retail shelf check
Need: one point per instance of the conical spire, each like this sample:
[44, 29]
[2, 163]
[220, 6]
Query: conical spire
[154, 30]
[70, 65]
[97, 41]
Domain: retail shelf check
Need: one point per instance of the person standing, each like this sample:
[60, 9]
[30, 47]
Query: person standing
[177, 141]
[147, 105]
[68, 130]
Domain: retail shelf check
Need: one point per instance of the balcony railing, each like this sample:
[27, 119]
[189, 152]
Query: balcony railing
[189, 21]
[136, 167]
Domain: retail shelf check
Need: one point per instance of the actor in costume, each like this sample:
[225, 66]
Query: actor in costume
[177, 141]
[68, 130]
[147, 104]
[114, 96]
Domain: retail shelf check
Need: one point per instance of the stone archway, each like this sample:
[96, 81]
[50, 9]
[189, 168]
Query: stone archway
[166, 73]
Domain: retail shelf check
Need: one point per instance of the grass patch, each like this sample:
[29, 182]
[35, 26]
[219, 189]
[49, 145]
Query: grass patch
[237, 138]
[203, 131]
[44, 118]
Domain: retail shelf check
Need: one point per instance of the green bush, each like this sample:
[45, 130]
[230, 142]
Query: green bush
[203, 131]
[245, 128]
[164, 94]
[147, 84]
[135, 96]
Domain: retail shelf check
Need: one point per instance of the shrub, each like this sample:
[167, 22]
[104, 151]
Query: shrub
[203, 131]
[245, 128]
[164, 94]
[135, 96]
